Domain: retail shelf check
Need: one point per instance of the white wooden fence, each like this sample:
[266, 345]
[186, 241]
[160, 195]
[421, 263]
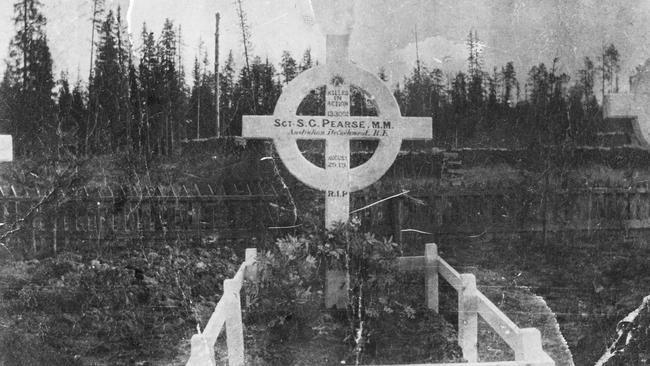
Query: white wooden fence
[526, 343]
[228, 313]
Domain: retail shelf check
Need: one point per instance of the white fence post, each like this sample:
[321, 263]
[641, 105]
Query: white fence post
[467, 318]
[431, 276]
[251, 270]
[234, 326]
[6, 148]
[201, 352]
[530, 345]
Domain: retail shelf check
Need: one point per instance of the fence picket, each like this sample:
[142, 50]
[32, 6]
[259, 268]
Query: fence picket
[152, 211]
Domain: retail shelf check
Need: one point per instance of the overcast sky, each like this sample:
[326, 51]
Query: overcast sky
[524, 31]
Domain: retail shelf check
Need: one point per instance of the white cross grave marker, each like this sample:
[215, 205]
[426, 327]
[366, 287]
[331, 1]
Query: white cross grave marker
[633, 104]
[6, 148]
[337, 127]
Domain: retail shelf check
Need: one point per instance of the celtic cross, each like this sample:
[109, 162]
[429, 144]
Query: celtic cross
[337, 127]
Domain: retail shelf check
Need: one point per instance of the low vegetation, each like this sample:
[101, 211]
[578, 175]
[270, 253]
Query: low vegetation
[135, 303]
[386, 320]
[131, 303]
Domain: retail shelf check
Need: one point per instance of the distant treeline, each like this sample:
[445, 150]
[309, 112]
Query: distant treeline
[477, 108]
[139, 101]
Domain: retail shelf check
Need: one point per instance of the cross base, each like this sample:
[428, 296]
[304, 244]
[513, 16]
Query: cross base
[337, 285]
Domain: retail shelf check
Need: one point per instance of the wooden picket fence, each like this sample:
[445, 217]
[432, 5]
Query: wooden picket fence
[241, 213]
[526, 343]
[46, 222]
[446, 211]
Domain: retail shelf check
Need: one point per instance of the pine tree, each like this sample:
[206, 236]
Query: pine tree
[106, 90]
[171, 93]
[256, 92]
[475, 91]
[64, 104]
[268, 89]
[149, 70]
[417, 92]
[475, 73]
[492, 100]
[7, 101]
[474, 60]
[29, 80]
[436, 97]
[557, 116]
[509, 84]
[459, 94]
[201, 109]
[611, 67]
[136, 107]
[124, 51]
[246, 37]
[586, 77]
[79, 115]
[227, 89]
[460, 103]
[288, 67]
[539, 86]
[548, 120]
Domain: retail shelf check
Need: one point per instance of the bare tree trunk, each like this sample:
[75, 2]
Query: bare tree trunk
[216, 75]
[245, 40]
[180, 83]
[24, 44]
[417, 51]
[148, 137]
[198, 112]
[242, 22]
[92, 51]
[603, 76]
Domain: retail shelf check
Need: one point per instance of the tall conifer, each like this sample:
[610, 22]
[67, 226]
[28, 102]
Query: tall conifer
[28, 81]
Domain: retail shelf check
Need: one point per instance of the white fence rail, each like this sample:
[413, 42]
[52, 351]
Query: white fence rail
[228, 313]
[526, 343]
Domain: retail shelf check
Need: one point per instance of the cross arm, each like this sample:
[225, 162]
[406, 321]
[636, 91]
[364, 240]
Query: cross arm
[318, 127]
[274, 127]
[415, 128]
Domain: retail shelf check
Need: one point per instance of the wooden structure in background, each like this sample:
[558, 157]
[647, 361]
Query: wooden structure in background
[246, 212]
[454, 211]
[151, 213]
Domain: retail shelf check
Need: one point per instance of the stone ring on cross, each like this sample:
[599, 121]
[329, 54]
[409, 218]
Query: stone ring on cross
[337, 127]
[285, 127]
